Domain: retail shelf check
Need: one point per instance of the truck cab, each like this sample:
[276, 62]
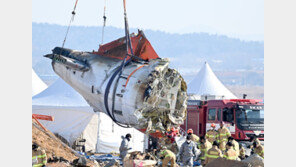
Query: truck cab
[243, 117]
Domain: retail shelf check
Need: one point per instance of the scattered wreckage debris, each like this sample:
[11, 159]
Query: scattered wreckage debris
[106, 160]
[222, 162]
[137, 159]
[255, 160]
[138, 90]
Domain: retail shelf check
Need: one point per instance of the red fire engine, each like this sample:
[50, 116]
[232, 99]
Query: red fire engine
[243, 117]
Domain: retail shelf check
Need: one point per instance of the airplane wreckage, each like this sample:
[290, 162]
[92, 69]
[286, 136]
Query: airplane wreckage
[126, 80]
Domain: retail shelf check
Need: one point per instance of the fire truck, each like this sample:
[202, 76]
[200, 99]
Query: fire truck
[243, 117]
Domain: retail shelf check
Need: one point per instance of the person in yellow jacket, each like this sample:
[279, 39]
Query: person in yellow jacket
[168, 156]
[252, 140]
[258, 149]
[235, 144]
[39, 158]
[194, 137]
[242, 152]
[205, 145]
[223, 134]
[212, 134]
[230, 153]
[213, 153]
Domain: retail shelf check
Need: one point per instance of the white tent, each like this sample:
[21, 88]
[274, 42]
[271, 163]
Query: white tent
[37, 84]
[73, 117]
[109, 136]
[207, 84]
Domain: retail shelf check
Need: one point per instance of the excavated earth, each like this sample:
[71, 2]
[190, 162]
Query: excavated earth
[53, 146]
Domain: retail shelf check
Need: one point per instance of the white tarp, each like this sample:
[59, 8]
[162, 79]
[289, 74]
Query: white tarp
[74, 117]
[37, 84]
[206, 83]
[109, 136]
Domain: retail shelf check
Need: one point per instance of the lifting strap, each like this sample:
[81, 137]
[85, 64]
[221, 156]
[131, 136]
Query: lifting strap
[119, 72]
[71, 20]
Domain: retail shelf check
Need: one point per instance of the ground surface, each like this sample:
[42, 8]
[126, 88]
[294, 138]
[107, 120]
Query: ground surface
[52, 145]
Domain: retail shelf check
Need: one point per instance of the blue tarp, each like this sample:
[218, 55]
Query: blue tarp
[106, 157]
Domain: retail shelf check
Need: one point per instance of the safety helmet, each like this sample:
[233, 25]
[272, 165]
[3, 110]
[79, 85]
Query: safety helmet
[189, 131]
[128, 135]
[34, 146]
[213, 125]
[173, 129]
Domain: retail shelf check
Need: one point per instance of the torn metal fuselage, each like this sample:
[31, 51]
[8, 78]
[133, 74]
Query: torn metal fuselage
[147, 95]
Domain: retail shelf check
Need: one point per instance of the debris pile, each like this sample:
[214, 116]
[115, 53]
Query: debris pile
[106, 160]
[137, 159]
[222, 162]
[255, 160]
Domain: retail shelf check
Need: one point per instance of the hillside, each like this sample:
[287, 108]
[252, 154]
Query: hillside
[234, 61]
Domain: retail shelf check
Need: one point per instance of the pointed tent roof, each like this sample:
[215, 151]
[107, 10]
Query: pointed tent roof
[207, 83]
[37, 84]
[60, 94]
[72, 115]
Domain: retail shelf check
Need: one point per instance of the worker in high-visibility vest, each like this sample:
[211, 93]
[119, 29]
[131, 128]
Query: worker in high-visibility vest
[213, 153]
[205, 145]
[39, 158]
[223, 134]
[168, 156]
[242, 152]
[258, 149]
[194, 137]
[230, 152]
[212, 134]
[252, 140]
[235, 144]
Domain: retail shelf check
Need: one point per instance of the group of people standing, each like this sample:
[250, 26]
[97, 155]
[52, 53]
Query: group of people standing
[215, 144]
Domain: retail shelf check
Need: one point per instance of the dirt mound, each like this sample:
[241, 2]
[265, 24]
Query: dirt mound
[53, 146]
[221, 162]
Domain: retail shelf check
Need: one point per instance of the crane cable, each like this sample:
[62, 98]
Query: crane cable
[124, 62]
[104, 22]
[119, 72]
[71, 20]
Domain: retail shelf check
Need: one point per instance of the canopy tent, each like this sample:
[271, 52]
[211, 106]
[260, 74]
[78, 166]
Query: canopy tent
[110, 136]
[72, 115]
[74, 118]
[206, 84]
[37, 84]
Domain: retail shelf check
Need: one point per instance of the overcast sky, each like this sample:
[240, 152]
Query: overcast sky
[243, 19]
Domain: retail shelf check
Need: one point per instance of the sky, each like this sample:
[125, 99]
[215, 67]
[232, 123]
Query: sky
[242, 19]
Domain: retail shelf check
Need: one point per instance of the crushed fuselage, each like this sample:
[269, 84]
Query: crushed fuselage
[147, 95]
